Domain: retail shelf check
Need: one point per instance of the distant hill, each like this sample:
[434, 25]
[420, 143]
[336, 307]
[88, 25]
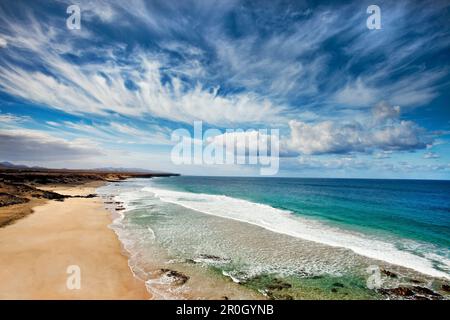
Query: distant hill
[11, 166]
[113, 169]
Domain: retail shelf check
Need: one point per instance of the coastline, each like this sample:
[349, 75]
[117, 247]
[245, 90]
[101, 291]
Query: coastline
[163, 237]
[81, 229]
[167, 278]
[38, 249]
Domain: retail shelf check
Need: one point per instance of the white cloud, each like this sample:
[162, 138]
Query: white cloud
[334, 137]
[431, 155]
[352, 164]
[405, 135]
[324, 137]
[3, 43]
[242, 142]
[383, 112]
[53, 124]
[356, 94]
[332, 164]
[7, 118]
[383, 155]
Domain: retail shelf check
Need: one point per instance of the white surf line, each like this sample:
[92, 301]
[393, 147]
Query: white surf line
[283, 222]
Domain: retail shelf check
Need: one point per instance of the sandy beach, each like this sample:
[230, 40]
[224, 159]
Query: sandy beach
[36, 251]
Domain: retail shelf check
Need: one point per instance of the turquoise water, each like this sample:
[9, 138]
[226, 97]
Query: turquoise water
[411, 209]
[313, 233]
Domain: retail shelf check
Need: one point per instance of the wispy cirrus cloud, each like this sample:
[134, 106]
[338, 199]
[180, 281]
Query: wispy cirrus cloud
[117, 132]
[184, 75]
[10, 119]
[101, 87]
[313, 70]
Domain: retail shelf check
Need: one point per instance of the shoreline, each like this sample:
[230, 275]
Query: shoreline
[167, 277]
[37, 250]
[311, 269]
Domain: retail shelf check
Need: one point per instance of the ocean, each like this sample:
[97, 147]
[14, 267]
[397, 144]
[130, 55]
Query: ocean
[283, 238]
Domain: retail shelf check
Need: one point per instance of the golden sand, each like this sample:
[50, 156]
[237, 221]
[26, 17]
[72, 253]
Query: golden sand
[36, 252]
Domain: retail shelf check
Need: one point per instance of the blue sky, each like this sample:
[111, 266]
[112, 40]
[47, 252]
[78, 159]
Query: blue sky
[348, 101]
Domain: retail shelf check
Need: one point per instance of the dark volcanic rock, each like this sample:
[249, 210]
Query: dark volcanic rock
[415, 293]
[15, 193]
[400, 291]
[91, 195]
[190, 261]
[303, 274]
[285, 297]
[7, 199]
[176, 277]
[389, 273]
[446, 287]
[278, 284]
[268, 294]
[20, 184]
[423, 290]
[337, 284]
[54, 196]
[64, 176]
[209, 258]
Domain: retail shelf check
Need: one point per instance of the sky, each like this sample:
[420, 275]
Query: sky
[348, 101]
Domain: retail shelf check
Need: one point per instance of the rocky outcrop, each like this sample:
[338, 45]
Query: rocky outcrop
[175, 277]
[91, 195]
[388, 273]
[7, 199]
[209, 258]
[14, 193]
[278, 284]
[44, 176]
[400, 291]
[20, 186]
[426, 291]
[411, 293]
[338, 285]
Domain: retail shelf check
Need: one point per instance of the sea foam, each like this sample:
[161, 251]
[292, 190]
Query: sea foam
[285, 222]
